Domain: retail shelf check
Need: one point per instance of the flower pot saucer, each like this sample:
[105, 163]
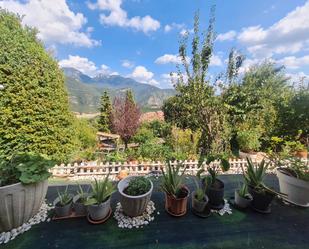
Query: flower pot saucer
[219, 207]
[97, 222]
[206, 213]
[267, 211]
[175, 215]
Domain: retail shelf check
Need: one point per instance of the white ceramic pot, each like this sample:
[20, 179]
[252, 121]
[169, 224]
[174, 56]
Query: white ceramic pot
[297, 190]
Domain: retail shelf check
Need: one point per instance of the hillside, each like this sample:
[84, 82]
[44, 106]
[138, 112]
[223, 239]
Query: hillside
[85, 91]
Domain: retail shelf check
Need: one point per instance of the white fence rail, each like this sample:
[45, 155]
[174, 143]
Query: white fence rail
[94, 169]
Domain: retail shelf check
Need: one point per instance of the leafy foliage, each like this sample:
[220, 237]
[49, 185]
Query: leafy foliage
[101, 191]
[25, 167]
[300, 167]
[138, 186]
[172, 181]
[83, 195]
[104, 121]
[125, 117]
[248, 140]
[34, 105]
[243, 190]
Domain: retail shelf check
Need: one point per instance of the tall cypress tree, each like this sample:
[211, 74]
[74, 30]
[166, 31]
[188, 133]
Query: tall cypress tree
[34, 104]
[105, 113]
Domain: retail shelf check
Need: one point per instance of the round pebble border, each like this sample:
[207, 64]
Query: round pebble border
[125, 221]
[226, 209]
[41, 216]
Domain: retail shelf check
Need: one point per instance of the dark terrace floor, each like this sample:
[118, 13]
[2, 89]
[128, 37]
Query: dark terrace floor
[286, 227]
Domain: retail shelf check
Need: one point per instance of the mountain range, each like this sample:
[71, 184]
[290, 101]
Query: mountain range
[85, 91]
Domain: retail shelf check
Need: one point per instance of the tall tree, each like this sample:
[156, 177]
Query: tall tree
[34, 104]
[125, 117]
[105, 113]
[196, 106]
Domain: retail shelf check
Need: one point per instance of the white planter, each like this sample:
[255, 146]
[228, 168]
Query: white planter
[133, 205]
[297, 190]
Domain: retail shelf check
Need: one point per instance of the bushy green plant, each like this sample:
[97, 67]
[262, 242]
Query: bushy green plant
[154, 150]
[101, 191]
[25, 167]
[248, 140]
[138, 186]
[172, 180]
[294, 146]
[116, 156]
[300, 167]
[160, 128]
[64, 198]
[34, 106]
[254, 176]
[143, 135]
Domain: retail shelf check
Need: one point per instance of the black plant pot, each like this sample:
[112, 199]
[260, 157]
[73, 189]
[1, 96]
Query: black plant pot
[261, 201]
[215, 194]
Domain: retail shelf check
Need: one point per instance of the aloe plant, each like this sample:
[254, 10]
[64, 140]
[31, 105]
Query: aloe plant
[243, 190]
[82, 194]
[172, 180]
[101, 191]
[254, 176]
[64, 197]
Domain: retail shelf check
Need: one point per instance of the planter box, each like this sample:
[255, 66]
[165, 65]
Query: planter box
[297, 190]
[19, 203]
[133, 205]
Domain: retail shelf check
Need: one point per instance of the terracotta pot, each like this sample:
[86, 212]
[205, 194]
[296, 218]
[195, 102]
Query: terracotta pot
[302, 154]
[122, 174]
[19, 203]
[177, 206]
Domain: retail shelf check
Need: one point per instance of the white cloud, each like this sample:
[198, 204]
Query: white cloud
[228, 36]
[297, 77]
[287, 36]
[119, 17]
[292, 62]
[86, 66]
[185, 32]
[172, 26]
[172, 78]
[127, 64]
[170, 58]
[141, 74]
[215, 60]
[54, 20]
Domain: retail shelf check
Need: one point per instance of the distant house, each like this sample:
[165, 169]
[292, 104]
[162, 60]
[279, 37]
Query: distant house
[107, 141]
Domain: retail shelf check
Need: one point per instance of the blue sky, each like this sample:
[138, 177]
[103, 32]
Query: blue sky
[139, 38]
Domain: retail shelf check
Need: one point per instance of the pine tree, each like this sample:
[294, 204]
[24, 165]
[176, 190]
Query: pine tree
[34, 104]
[130, 96]
[105, 113]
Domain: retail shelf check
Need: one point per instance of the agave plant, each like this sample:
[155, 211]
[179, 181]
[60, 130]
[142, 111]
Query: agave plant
[243, 190]
[101, 191]
[254, 175]
[64, 197]
[172, 179]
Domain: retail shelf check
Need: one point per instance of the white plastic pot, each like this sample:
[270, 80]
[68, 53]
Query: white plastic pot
[297, 190]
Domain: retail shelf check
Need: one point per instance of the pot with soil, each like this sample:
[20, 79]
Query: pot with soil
[63, 204]
[98, 203]
[176, 205]
[215, 193]
[135, 193]
[261, 199]
[199, 203]
[295, 188]
[242, 197]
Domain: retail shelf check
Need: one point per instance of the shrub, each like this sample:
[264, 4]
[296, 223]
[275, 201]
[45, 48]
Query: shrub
[248, 140]
[34, 104]
[143, 135]
[138, 186]
[153, 150]
[115, 156]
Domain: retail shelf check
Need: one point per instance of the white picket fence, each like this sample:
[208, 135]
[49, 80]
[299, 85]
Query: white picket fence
[94, 169]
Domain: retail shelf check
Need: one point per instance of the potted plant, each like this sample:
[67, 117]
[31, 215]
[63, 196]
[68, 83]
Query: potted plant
[214, 186]
[262, 196]
[248, 142]
[23, 187]
[294, 181]
[63, 203]
[242, 196]
[199, 197]
[135, 193]
[297, 149]
[99, 201]
[176, 193]
[79, 201]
